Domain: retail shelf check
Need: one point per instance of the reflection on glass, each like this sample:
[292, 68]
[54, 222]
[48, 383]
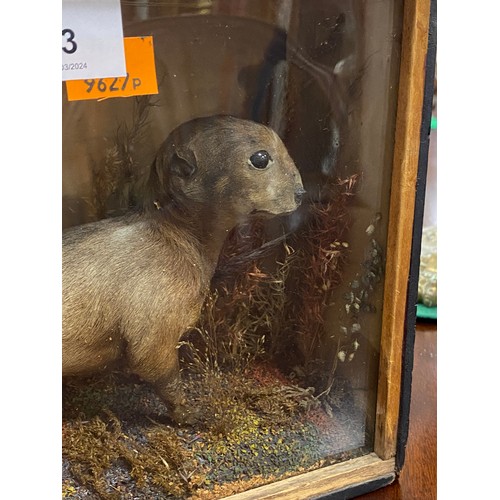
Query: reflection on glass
[282, 365]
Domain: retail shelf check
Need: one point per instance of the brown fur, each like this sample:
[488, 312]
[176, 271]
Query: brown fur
[133, 285]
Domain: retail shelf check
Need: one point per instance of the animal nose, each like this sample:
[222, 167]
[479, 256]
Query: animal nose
[299, 194]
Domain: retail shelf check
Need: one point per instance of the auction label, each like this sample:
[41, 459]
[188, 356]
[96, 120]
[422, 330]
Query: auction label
[140, 78]
[92, 39]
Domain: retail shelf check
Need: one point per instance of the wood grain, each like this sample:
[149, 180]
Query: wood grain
[321, 481]
[418, 479]
[401, 212]
[405, 166]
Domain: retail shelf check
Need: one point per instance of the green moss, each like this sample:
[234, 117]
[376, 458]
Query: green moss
[249, 430]
[93, 448]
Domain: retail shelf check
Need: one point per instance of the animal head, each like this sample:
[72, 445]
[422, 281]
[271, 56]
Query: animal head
[227, 165]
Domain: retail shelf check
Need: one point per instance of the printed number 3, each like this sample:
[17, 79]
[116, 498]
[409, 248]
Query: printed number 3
[70, 40]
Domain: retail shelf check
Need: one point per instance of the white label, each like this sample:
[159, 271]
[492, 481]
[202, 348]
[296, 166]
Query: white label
[92, 39]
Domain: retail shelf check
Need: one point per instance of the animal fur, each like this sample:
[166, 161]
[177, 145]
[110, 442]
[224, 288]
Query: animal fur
[132, 285]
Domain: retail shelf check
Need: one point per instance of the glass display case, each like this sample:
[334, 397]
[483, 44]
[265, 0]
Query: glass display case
[236, 251]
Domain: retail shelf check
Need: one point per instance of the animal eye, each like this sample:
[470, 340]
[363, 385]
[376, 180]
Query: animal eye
[260, 159]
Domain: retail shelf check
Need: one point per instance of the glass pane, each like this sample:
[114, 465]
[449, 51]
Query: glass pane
[212, 259]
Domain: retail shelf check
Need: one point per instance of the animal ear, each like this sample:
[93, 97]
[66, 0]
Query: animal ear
[183, 163]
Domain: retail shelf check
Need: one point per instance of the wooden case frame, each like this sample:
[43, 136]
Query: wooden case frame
[380, 468]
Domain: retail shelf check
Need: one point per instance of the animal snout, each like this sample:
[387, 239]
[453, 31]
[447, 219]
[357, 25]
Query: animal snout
[299, 194]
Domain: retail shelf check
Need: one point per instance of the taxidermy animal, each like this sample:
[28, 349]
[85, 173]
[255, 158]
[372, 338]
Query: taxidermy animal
[132, 285]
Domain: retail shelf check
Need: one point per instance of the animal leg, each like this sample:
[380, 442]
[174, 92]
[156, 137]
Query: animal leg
[161, 370]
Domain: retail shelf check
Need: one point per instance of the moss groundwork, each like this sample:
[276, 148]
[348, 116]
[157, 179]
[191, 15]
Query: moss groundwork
[118, 441]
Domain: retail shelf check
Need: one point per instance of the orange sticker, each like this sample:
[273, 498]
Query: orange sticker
[140, 79]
